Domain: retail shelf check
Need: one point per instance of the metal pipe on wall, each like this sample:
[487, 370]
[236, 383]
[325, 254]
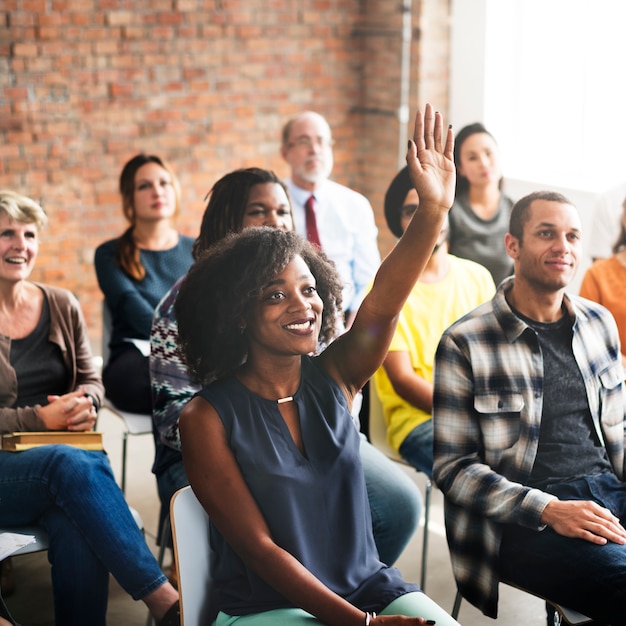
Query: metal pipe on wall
[405, 81]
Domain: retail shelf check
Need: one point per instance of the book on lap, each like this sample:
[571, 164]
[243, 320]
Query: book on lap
[16, 442]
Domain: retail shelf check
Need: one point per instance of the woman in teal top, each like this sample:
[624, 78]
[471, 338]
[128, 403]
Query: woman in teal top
[269, 448]
[135, 271]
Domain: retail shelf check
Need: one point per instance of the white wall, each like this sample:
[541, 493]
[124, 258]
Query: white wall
[478, 91]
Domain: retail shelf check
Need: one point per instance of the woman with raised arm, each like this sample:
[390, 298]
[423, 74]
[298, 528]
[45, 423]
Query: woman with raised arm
[240, 199]
[269, 447]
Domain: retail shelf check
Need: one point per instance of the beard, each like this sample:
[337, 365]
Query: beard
[318, 173]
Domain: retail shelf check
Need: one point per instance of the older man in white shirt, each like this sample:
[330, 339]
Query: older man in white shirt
[344, 222]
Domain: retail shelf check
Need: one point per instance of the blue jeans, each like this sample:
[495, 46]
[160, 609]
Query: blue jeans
[72, 493]
[169, 481]
[417, 448]
[576, 573]
[395, 501]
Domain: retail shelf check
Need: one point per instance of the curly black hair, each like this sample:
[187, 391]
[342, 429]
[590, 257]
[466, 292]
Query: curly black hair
[223, 286]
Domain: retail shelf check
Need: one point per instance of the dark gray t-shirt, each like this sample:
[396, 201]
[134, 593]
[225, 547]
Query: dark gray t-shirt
[39, 366]
[569, 447]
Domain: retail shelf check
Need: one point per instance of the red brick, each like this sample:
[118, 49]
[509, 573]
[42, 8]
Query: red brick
[120, 18]
[25, 49]
[89, 83]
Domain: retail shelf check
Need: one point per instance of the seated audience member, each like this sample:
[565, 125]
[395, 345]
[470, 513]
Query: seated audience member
[607, 215]
[135, 270]
[48, 382]
[333, 216]
[605, 283]
[269, 446]
[529, 430]
[244, 198]
[479, 217]
[448, 288]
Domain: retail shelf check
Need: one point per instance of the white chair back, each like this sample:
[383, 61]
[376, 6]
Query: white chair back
[192, 547]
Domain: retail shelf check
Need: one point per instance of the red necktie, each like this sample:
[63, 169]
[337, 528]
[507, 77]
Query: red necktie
[311, 223]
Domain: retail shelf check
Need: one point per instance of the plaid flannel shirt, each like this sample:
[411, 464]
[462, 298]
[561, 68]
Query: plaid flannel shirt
[488, 398]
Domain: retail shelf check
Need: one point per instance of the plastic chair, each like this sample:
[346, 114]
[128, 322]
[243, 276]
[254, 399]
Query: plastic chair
[134, 423]
[562, 615]
[378, 438]
[194, 558]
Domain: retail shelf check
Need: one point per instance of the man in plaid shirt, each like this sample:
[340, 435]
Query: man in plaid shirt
[529, 430]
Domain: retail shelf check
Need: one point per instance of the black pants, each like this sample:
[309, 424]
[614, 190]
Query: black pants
[4, 612]
[126, 381]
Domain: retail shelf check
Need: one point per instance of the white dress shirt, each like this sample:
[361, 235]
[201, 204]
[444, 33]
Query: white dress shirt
[348, 234]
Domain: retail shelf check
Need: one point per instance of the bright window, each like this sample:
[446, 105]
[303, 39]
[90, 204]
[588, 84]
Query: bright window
[554, 90]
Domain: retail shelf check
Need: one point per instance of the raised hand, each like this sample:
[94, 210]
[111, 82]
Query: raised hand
[430, 160]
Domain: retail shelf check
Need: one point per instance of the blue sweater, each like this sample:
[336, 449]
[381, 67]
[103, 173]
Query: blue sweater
[130, 302]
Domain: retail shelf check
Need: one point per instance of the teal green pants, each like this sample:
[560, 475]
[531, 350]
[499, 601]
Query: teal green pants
[415, 604]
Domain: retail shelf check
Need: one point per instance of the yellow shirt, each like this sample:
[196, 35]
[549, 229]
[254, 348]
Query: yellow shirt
[428, 311]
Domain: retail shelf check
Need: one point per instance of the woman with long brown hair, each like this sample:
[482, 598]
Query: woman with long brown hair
[135, 271]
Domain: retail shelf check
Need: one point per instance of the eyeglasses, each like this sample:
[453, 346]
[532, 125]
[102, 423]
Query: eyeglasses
[308, 142]
[408, 209]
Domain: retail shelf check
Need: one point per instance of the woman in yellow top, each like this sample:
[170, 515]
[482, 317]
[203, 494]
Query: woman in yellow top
[448, 288]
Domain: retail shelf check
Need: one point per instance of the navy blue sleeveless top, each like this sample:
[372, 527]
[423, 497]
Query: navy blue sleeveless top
[315, 504]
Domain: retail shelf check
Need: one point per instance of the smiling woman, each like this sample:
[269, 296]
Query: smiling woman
[268, 443]
[48, 383]
[213, 355]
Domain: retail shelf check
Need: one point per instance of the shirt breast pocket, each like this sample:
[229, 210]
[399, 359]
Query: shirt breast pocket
[499, 413]
[612, 396]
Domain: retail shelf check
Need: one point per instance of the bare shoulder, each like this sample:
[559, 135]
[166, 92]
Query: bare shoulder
[198, 414]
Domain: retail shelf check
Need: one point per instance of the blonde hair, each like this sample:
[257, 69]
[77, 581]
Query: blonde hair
[22, 209]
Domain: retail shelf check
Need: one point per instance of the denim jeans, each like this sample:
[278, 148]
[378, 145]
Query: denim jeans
[395, 501]
[169, 481]
[417, 448]
[72, 493]
[581, 575]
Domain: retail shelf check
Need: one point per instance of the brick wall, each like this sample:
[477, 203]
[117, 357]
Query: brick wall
[86, 84]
